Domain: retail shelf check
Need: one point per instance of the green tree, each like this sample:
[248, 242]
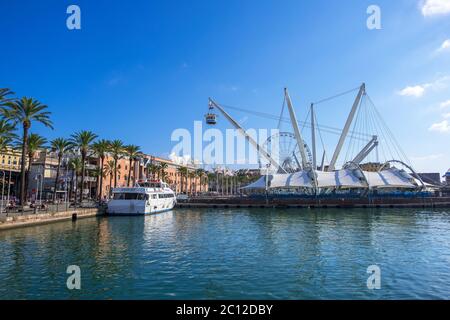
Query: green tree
[152, 169]
[192, 175]
[101, 148]
[201, 174]
[116, 148]
[110, 169]
[132, 152]
[162, 170]
[82, 141]
[36, 142]
[183, 172]
[4, 93]
[76, 167]
[60, 146]
[26, 111]
[7, 130]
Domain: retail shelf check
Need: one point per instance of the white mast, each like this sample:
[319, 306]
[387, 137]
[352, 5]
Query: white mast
[344, 133]
[298, 135]
[366, 150]
[322, 163]
[313, 137]
[247, 136]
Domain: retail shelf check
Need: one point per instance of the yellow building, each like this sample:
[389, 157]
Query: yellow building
[10, 160]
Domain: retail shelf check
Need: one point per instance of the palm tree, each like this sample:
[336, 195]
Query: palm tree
[76, 166]
[152, 169]
[116, 148]
[162, 170]
[183, 171]
[61, 146]
[26, 111]
[211, 178]
[36, 142]
[192, 176]
[110, 169]
[4, 92]
[201, 174]
[5, 144]
[7, 135]
[100, 174]
[82, 141]
[7, 129]
[132, 152]
[101, 148]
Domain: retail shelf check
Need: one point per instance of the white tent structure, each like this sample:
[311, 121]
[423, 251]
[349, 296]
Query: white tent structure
[391, 178]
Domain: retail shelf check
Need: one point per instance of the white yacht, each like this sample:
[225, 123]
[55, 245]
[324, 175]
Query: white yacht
[147, 197]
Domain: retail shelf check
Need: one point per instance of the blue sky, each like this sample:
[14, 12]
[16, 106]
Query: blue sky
[137, 70]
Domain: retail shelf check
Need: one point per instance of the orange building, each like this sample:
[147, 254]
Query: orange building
[151, 167]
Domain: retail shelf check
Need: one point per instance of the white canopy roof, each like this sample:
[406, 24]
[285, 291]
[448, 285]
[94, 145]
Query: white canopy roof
[345, 178]
[389, 178]
[341, 178]
[299, 179]
[258, 184]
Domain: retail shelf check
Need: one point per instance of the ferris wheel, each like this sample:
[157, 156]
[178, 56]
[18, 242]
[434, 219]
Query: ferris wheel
[282, 146]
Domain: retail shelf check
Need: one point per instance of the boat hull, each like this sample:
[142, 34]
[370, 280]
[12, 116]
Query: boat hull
[138, 208]
[137, 213]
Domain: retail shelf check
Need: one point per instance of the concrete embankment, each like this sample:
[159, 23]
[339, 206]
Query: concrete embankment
[18, 220]
[309, 206]
[430, 202]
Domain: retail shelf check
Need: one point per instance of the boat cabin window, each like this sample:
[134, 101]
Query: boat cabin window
[166, 195]
[150, 185]
[130, 196]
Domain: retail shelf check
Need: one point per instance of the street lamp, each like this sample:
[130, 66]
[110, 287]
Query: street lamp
[3, 190]
[39, 181]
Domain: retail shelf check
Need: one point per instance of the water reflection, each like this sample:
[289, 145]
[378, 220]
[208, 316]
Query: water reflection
[245, 253]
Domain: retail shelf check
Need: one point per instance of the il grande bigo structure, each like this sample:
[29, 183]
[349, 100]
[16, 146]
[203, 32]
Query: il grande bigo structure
[372, 161]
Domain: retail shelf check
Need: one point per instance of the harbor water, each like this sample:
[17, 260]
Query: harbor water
[233, 254]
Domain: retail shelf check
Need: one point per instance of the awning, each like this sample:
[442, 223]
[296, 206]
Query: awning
[341, 178]
[390, 178]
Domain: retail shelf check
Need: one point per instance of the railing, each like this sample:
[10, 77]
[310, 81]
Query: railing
[45, 207]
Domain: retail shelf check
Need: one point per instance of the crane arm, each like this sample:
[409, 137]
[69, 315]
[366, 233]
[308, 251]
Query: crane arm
[247, 136]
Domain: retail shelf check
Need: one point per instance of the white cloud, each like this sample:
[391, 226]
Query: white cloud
[446, 115]
[435, 7]
[420, 89]
[445, 104]
[441, 127]
[445, 45]
[413, 91]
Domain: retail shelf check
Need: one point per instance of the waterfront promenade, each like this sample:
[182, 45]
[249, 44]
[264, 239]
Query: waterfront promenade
[29, 218]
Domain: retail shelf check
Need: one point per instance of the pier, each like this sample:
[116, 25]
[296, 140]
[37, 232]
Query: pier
[17, 220]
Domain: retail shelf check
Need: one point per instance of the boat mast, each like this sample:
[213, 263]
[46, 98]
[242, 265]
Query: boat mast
[298, 136]
[247, 136]
[348, 123]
